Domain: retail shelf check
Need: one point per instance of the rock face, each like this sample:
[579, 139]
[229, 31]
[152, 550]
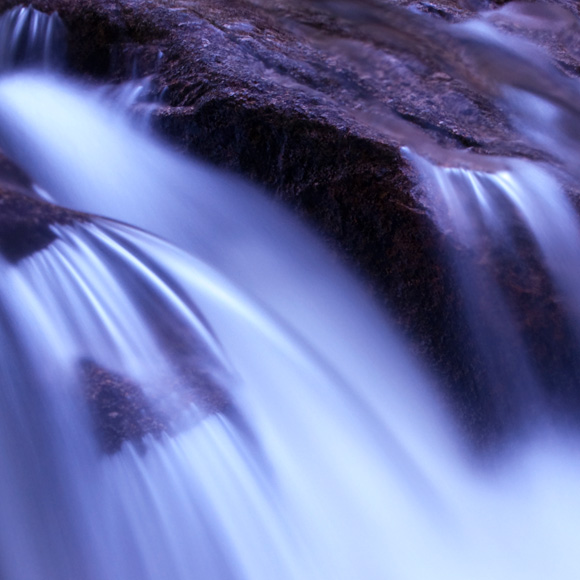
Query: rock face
[315, 99]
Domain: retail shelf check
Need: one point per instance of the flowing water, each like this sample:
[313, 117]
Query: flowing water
[268, 422]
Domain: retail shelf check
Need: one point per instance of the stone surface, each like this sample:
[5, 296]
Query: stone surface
[125, 411]
[119, 408]
[25, 219]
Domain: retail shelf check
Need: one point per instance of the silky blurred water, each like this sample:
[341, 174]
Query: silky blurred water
[334, 456]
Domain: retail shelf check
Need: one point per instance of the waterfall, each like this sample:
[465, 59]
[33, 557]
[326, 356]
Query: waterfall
[31, 39]
[191, 387]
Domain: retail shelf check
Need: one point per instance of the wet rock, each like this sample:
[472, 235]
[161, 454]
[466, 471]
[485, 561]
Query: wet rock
[120, 410]
[191, 382]
[124, 411]
[25, 219]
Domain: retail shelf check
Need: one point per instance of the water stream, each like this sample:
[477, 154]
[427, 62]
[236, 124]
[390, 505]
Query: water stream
[272, 425]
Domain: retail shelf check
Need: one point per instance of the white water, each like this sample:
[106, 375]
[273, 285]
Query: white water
[349, 467]
[337, 460]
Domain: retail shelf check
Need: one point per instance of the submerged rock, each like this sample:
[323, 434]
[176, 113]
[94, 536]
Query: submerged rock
[119, 409]
[123, 411]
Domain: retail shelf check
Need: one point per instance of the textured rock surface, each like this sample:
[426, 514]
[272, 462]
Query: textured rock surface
[315, 99]
[119, 408]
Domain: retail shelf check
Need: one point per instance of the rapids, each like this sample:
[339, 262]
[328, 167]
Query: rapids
[323, 449]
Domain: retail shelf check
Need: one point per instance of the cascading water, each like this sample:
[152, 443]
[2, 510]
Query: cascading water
[506, 225]
[261, 426]
[31, 39]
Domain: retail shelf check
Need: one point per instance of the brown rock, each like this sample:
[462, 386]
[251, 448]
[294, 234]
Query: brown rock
[119, 408]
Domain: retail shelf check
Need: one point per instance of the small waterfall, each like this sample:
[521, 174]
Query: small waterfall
[512, 237]
[512, 230]
[192, 388]
[108, 330]
[31, 39]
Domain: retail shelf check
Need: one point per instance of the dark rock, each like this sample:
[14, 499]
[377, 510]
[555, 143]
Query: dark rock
[196, 372]
[119, 408]
[25, 219]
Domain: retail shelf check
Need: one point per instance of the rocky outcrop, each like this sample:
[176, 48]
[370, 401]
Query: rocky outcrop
[25, 218]
[123, 410]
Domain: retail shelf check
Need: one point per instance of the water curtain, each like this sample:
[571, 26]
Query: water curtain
[227, 404]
